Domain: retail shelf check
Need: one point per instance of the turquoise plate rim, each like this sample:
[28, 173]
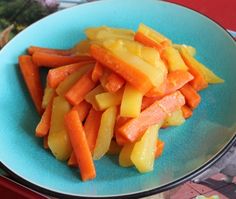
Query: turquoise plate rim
[160, 189]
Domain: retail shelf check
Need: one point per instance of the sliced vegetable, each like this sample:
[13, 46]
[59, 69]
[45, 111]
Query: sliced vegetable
[80, 146]
[97, 72]
[58, 140]
[31, 76]
[187, 112]
[143, 153]
[50, 60]
[114, 82]
[43, 126]
[80, 89]
[34, 49]
[192, 97]
[124, 156]
[159, 148]
[114, 148]
[105, 132]
[131, 102]
[47, 96]
[91, 127]
[106, 99]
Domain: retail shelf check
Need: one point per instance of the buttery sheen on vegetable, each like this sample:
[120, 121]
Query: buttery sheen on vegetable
[112, 93]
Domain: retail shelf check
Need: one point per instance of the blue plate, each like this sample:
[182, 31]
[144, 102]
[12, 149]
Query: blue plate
[189, 150]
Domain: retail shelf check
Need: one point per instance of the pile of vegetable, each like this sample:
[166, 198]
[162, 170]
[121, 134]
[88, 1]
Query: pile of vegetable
[111, 93]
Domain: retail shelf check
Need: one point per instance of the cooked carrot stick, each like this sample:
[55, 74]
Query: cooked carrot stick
[120, 139]
[191, 96]
[155, 113]
[44, 124]
[91, 127]
[147, 101]
[45, 142]
[199, 82]
[187, 112]
[97, 72]
[72, 160]
[132, 75]
[140, 37]
[80, 145]
[51, 60]
[175, 80]
[83, 109]
[57, 75]
[77, 92]
[32, 79]
[159, 148]
[33, 49]
[114, 82]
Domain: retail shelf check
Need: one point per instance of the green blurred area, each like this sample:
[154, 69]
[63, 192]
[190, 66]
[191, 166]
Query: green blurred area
[21, 13]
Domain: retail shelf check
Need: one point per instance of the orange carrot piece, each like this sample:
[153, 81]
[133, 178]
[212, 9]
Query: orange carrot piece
[91, 127]
[44, 124]
[45, 142]
[34, 49]
[77, 92]
[72, 160]
[57, 75]
[128, 72]
[155, 113]
[114, 82]
[83, 109]
[147, 101]
[140, 37]
[159, 148]
[121, 140]
[199, 82]
[97, 72]
[191, 96]
[80, 145]
[187, 112]
[32, 79]
[175, 80]
[51, 60]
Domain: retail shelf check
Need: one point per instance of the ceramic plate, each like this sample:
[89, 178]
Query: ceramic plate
[189, 149]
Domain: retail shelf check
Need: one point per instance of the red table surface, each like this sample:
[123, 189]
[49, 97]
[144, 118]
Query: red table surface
[221, 11]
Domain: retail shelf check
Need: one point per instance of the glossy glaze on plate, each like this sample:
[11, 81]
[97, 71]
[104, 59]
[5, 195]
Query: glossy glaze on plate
[188, 147]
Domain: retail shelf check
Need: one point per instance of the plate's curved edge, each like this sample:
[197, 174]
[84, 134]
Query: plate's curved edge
[160, 189]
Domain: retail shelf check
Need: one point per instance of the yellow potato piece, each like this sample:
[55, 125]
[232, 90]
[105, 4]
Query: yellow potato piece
[67, 83]
[106, 99]
[155, 74]
[175, 119]
[131, 102]
[90, 97]
[150, 55]
[104, 32]
[124, 156]
[58, 139]
[143, 153]
[191, 50]
[152, 34]
[47, 96]
[174, 59]
[105, 132]
[209, 75]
